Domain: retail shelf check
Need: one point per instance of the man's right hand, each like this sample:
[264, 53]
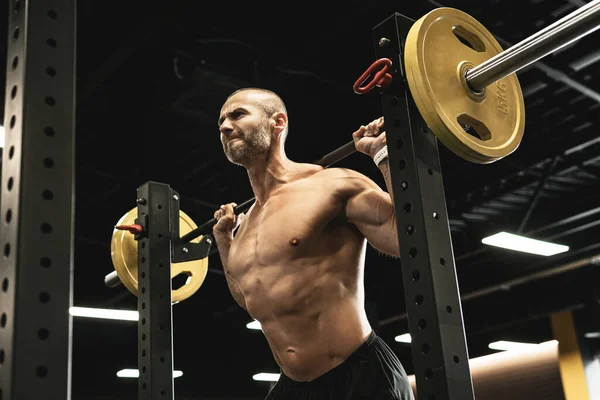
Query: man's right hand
[227, 221]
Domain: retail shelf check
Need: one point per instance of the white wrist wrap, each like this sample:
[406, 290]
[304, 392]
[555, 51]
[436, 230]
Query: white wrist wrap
[380, 156]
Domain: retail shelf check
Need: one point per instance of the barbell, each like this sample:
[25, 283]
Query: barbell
[464, 86]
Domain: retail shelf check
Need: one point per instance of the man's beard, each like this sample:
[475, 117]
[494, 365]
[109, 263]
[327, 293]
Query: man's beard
[254, 143]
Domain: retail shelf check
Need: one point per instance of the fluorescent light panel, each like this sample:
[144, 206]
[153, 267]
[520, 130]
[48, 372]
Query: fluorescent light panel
[527, 245]
[403, 338]
[254, 325]
[508, 345]
[135, 373]
[266, 377]
[123, 315]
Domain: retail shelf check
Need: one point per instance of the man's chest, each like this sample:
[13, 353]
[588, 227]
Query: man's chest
[285, 228]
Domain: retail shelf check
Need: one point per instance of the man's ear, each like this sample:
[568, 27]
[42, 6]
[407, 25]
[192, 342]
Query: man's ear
[280, 121]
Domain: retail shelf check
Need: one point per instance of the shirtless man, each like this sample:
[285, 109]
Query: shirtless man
[295, 260]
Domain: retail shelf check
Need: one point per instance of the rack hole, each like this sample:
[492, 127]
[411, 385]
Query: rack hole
[44, 297]
[436, 215]
[11, 152]
[456, 359]
[399, 143]
[1, 356]
[412, 252]
[407, 207]
[45, 262]
[430, 171]
[49, 131]
[425, 349]
[52, 14]
[449, 309]
[15, 63]
[410, 230]
[47, 195]
[428, 373]
[8, 217]
[13, 92]
[7, 250]
[51, 72]
[41, 371]
[43, 333]
[402, 164]
[48, 162]
[10, 183]
[13, 121]
[50, 101]
[442, 261]
[419, 299]
[46, 227]
[416, 276]
[3, 320]
[404, 185]
[5, 284]
[422, 324]
[51, 42]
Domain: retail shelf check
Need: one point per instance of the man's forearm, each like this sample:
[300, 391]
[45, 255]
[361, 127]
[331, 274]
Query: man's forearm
[223, 245]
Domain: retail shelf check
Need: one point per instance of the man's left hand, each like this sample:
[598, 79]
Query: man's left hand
[370, 139]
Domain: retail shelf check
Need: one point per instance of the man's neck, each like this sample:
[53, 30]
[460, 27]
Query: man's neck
[268, 175]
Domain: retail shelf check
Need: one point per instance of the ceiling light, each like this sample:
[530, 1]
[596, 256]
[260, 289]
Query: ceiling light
[254, 325]
[527, 245]
[507, 345]
[592, 335]
[135, 373]
[266, 377]
[123, 315]
[403, 338]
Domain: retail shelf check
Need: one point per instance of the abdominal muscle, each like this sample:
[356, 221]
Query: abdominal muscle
[312, 322]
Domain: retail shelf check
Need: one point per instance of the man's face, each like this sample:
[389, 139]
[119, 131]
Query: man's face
[244, 129]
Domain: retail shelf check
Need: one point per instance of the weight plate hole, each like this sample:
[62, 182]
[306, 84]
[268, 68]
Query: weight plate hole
[468, 38]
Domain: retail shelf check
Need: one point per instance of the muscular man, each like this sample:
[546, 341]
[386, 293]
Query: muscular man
[295, 260]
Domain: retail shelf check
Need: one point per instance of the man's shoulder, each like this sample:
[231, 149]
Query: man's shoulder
[345, 179]
[341, 173]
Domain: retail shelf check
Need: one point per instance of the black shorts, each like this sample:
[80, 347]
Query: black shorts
[371, 372]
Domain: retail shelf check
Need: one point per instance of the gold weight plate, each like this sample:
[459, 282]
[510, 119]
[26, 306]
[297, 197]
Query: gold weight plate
[435, 60]
[124, 254]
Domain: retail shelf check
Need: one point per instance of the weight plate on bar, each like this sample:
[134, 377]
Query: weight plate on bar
[479, 127]
[124, 254]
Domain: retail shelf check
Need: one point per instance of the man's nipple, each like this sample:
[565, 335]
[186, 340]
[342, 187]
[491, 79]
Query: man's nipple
[295, 241]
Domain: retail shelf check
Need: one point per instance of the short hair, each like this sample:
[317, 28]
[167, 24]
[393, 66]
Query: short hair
[269, 104]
